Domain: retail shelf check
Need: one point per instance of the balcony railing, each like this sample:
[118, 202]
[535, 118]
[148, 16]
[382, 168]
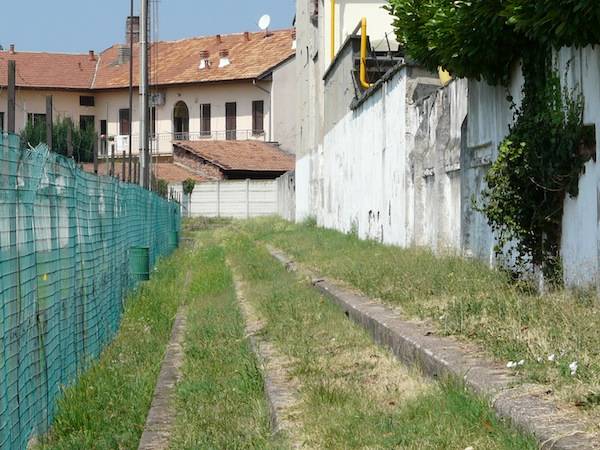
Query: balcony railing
[161, 142]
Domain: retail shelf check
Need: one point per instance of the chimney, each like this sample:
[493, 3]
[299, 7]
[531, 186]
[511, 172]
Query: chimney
[204, 59]
[92, 56]
[132, 28]
[247, 35]
[224, 58]
[219, 40]
[123, 55]
[12, 49]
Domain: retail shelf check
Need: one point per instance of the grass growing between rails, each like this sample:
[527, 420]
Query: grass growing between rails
[107, 407]
[352, 393]
[463, 298]
[220, 400]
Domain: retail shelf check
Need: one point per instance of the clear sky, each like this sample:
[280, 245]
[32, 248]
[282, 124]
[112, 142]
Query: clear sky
[82, 25]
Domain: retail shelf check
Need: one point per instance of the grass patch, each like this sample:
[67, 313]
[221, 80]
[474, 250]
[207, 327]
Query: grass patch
[220, 400]
[464, 298]
[354, 394]
[107, 407]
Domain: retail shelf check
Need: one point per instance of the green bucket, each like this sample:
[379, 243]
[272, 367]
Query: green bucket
[139, 263]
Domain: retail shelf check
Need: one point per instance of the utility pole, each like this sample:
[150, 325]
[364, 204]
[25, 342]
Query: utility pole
[144, 116]
[130, 30]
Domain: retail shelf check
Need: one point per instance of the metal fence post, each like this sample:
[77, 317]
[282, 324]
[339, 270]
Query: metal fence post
[247, 198]
[218, 199]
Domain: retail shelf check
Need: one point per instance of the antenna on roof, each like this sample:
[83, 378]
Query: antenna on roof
[264, 23]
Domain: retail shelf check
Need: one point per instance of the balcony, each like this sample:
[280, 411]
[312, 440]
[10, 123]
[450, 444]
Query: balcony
[161, 143]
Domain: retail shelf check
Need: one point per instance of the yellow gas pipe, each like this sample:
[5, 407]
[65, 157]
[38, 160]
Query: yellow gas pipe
[363, 55]
[332, 29]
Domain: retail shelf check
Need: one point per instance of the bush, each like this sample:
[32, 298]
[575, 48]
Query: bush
[83, 140]
[188, 186]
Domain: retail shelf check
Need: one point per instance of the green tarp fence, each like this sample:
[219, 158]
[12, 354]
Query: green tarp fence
[66, 238]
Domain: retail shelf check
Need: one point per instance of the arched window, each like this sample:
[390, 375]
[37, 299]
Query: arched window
[181, 121]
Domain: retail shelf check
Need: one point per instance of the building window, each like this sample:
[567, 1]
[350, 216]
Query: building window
[231, 121]
[87, 122]
[36, 119]
[124, 123]
[258, 117]
[205, 129]
[103, 128]
[87, 100]
[181, 121]
[1, 122]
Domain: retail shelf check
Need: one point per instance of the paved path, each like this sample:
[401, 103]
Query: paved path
[161, 418]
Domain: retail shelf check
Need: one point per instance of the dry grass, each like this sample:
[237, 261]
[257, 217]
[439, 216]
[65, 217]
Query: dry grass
[352, 393]
[466, 299]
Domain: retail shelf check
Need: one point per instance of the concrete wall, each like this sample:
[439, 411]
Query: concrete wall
[236, 199]
[404, 170]
[286, 196]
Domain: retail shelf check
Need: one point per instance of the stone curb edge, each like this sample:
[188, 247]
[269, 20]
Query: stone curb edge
[440, 357]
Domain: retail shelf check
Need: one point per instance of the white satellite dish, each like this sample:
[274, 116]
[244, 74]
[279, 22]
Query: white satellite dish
[264, 22]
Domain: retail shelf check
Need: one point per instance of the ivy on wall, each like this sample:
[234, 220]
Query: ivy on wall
[538, 165]
[542, 158]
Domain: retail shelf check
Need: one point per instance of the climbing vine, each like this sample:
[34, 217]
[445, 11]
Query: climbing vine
[542, 158]
[538, 165]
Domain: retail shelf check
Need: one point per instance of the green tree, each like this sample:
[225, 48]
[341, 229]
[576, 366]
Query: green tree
[83, 140]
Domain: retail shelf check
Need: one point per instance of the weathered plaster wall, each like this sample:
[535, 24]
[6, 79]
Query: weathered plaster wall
[404, 170]
[283, 98]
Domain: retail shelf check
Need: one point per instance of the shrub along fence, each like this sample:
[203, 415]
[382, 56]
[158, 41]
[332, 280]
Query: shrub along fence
[71, 246]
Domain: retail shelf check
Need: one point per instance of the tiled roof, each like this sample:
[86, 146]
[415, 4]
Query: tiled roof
[178, 61]
[174, 62]
[173, 173]
[252, 156]
[42, 70]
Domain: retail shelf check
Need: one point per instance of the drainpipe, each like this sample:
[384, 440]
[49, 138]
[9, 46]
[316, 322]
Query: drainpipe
[270, 108]
[332, 26]
[363, 55]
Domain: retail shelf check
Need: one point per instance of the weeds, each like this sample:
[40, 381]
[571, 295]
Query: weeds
[464, 298]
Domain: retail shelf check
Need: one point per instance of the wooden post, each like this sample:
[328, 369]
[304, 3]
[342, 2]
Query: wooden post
[12, 99]
[95, 151]
[112, 160]
[49, 122]
[123, 178]
[70, 140]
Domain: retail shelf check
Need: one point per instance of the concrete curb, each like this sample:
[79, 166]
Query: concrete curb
[160, 420]
[414, 344]
[281, 397]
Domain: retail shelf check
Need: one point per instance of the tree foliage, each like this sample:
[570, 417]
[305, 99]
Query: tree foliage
[188, 186]
[483, 38]
[83, 140]
[556, 22]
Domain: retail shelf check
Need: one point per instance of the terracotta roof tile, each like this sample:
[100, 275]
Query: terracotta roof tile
[175, 62]
[56, 70]
[253, 156]
[170, 172]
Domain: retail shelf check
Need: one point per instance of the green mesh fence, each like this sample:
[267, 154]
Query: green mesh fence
[66, 238]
